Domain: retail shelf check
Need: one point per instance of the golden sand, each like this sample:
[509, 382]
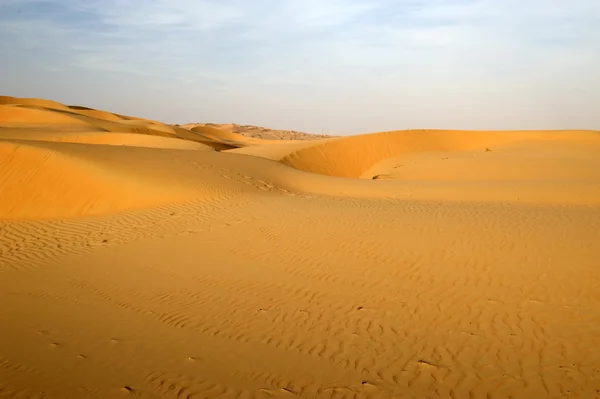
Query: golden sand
[144, 259]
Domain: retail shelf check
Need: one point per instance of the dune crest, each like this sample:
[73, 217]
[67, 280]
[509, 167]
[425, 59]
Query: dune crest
[8, 100]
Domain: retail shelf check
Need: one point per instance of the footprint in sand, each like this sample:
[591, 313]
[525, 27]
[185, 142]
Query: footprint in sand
[281, 392]
[128, 389]
[428, 365]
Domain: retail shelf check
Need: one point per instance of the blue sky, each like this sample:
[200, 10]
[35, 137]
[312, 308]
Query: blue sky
[332, 66]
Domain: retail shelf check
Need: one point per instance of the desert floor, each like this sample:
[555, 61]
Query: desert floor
[139, 259]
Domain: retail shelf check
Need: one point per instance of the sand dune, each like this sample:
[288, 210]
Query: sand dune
[35, 184]
[557, 167]
[257, 132]
[155, 261]
[97, 114]
[353, 156]
[106, 138]
[13, 114]
[233, 140]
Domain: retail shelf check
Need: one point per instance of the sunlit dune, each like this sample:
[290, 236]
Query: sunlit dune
[224, 261]
[47, 183]
[353, 156]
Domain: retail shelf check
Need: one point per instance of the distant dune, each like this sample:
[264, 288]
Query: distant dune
[225, 261]
[259, 132]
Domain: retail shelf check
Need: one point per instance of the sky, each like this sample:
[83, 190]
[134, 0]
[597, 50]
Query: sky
[320, 66]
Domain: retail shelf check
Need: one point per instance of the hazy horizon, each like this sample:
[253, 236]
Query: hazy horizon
[334, 67]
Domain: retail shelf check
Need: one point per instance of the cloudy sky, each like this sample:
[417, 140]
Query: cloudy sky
[332, 66]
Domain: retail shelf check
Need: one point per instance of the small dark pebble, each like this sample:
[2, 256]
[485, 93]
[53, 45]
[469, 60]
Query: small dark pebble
[359, 308]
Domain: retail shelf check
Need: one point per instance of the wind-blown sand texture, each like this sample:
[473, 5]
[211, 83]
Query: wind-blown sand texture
[139, 259]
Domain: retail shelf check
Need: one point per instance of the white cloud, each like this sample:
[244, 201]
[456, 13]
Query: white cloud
[158, 14]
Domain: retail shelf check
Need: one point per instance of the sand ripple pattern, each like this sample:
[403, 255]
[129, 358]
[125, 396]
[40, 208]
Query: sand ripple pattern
[358, 316]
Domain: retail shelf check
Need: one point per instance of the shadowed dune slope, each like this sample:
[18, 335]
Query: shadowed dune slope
[224, 136]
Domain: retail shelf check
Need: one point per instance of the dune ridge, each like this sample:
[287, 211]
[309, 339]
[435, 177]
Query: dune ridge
[140, 259]
[352, 156]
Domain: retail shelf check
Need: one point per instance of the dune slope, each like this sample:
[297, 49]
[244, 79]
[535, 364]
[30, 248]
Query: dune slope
[352, 156]
[42, 182]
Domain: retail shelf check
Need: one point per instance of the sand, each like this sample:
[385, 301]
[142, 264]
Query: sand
[257, 132]
[139, 259]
